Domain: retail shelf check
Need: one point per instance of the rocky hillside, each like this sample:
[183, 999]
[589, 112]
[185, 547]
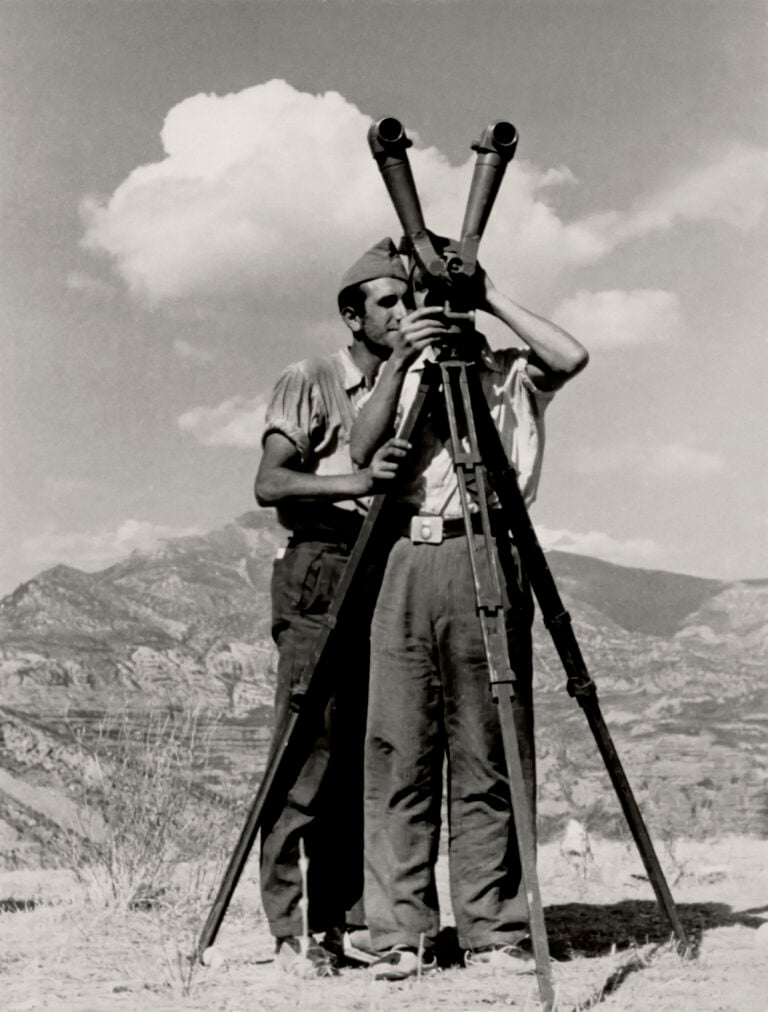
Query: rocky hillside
[680, 665]
[189, 623]
[186, 624]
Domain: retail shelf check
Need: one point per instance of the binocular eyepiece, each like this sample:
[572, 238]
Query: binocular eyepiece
[386, 133]
[500, 137]
[389, 145]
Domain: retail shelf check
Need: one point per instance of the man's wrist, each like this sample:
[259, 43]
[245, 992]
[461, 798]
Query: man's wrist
[492, 301]
[364, 480]
[401, 359]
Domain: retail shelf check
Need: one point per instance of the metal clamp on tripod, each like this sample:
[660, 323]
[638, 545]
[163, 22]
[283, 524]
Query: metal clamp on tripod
[485, 478]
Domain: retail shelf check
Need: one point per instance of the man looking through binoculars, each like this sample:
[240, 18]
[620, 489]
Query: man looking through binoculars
[306, 472]
[429, 692]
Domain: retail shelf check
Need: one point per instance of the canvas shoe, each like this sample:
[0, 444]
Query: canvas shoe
[402, 963]
[349, 948]
[315, 962]
[509, 958]
[358, 948]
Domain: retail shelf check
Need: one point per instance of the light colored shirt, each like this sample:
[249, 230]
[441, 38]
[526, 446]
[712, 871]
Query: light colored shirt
[314, 403]
[517, 407]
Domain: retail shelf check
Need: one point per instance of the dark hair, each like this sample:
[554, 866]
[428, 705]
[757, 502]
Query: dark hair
[352, 297]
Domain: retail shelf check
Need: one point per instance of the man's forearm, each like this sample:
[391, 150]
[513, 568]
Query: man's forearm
[283, 484]
[376, 420]
[556, 349]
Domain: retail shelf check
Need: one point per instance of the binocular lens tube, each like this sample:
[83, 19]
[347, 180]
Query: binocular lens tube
[389, 144]
[495, 150]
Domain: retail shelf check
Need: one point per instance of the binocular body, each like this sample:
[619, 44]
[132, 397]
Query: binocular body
[448, 268]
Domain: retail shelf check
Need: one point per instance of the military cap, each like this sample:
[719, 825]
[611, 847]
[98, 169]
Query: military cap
[380, 261]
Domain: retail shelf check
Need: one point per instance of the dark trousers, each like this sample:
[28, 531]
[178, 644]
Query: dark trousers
[324, 806]
[429, 699]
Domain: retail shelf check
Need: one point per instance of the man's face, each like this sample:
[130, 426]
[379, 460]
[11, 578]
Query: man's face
[383, 309]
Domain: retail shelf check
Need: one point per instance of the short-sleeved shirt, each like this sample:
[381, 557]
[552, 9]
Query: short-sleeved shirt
[517, 407]
[313, 404]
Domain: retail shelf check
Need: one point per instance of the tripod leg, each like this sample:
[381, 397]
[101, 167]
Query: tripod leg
[468, 465]
[581, 686]
[526, 842]
[633, 816]
[288, 742]
[557, 620]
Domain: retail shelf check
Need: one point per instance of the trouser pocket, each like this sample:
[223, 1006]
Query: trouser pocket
[304, 582]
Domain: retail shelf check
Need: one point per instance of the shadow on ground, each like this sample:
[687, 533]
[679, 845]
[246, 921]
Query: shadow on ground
[11, 906]
[590, 930]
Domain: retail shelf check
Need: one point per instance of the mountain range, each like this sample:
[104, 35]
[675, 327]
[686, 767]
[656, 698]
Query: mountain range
[679, 662]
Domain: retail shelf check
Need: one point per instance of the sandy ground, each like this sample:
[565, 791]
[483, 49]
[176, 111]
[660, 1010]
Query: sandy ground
[610, 945]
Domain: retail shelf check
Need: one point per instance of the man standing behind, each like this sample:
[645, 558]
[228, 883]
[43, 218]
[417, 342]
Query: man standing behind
[429, 690]
[305, 472]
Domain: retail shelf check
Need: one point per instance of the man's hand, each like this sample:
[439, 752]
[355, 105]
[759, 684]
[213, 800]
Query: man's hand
[385, 463]
[484, 290]
[424, 327]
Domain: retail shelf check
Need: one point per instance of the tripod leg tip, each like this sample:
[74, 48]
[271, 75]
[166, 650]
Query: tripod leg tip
[212, 958]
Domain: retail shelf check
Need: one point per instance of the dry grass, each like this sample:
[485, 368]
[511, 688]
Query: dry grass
[611, 948]
[118, 930]
[145, 821]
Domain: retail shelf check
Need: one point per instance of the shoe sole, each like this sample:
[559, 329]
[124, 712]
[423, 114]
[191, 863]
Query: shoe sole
[394, 974]
[356, 957]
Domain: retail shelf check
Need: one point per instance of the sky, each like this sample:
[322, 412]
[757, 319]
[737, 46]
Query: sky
[184, 183]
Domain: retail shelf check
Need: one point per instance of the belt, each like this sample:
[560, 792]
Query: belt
[343, 538]
[429, 529]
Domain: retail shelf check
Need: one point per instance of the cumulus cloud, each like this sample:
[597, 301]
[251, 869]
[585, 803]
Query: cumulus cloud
[676, 460]
[257, 190]
[556, 177]
[616, 318]
[93, 288]
[634, 552]
[683, 460]
[271, 189]
[733, 188]
[191, 353]
[237, 422]
[94, 550]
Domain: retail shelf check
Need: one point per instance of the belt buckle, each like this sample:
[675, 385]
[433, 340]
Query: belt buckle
[426, 530]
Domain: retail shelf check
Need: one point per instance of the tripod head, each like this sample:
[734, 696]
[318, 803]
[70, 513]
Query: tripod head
[448, 269]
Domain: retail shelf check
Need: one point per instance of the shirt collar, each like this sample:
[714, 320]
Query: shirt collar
[351, 376]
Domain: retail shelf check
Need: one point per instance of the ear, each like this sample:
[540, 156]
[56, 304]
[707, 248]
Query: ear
[352, 319]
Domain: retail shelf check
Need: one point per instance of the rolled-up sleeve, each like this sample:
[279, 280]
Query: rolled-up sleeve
[293, 410]
[518, 385]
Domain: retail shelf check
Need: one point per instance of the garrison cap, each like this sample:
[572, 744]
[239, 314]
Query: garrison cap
[380, 261]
